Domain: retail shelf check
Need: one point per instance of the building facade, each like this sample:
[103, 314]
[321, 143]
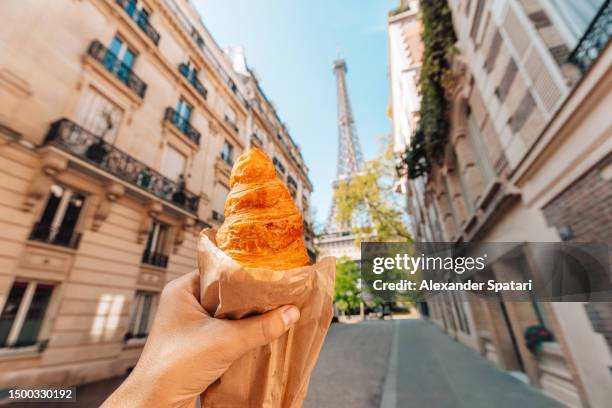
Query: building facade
[119, 124]
[528, 159]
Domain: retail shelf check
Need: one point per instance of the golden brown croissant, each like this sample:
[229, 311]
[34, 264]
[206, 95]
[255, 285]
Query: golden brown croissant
[263, 227]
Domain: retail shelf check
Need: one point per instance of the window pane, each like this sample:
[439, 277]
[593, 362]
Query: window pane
[55, 195]
[161, 240]
[115, 46]
[35, 316]
[128, 58]
[143, 328]
[10, 310]
[71, 217]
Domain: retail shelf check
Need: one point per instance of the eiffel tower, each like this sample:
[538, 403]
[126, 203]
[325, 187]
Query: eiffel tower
[338, 240]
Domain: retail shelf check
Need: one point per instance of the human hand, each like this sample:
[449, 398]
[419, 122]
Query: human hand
[187, 349]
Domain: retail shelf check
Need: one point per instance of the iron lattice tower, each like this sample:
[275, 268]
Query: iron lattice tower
[350, 158]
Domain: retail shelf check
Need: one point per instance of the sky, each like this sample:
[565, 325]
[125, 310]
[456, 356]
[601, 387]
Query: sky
[291, 45]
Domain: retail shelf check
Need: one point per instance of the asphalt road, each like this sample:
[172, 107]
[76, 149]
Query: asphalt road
[410, 363]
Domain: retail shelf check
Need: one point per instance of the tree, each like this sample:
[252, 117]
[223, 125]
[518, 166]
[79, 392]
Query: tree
[346, 293]
[369, 203]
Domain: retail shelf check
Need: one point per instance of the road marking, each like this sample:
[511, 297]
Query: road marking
[389, 394]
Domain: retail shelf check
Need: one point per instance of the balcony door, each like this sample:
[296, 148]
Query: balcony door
[120, 58]
[99, 115]
[58, 221]
[173, 163]
[183, 114]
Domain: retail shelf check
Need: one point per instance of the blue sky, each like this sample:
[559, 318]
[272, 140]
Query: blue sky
[291, 45]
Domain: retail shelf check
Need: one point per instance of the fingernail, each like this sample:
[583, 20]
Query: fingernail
[290, 315]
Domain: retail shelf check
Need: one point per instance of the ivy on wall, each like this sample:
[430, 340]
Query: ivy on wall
[427, 145]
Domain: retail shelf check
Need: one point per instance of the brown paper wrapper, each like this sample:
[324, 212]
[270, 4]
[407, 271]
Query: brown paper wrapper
[275, 375]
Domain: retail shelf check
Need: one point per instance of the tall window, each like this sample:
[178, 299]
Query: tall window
[99, 115]
[143, 310]
[183, 115]
[58, 221]
[190, 71]
[155, 249]
[480, 150]
[227, 153]
[220, 194]
[279, 166]
[120, 51]
[573, 16]
[173, 164]
[23, 313]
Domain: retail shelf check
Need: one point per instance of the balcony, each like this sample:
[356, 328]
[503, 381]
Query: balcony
[594, 39]
[182, 124]
[155, 259]
[84, 145]
[65, 237]
[191, 76]
[114, 65]
[232, 124]
[141, 18]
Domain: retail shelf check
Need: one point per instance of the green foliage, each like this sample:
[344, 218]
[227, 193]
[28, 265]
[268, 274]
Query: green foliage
[416, 158]
[368, 202]
[438, 40]
[346, 293]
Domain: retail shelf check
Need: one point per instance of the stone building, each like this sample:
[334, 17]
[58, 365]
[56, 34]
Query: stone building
[528, 159]
[119, 124]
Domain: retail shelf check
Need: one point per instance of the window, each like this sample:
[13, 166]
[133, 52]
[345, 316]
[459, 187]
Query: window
[99, 115]
[173, 164]
[279, 166]
[292, 186]
[155, 249]
[573, 17]
[183, 114]
[220, 194]
[143, 310]
[480, 150]
[121, 52]
[59, 219]
[227, 153]
[23, 313]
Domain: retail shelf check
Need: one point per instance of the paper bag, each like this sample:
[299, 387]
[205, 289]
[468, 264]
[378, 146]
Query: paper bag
[275, 375]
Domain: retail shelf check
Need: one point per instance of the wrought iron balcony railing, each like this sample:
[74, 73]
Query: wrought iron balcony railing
[55, 236]
[594, 39]
[154, 258]
[191, 76]
[182, 124]
[140, 17]
[83, 144]
[115, 66]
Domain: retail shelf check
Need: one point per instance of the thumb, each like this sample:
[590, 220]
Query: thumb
[259, 330]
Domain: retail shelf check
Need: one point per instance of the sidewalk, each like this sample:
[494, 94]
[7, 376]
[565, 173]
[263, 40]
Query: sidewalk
[428, 369]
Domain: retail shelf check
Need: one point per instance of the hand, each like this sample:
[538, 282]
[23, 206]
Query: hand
[187, 349]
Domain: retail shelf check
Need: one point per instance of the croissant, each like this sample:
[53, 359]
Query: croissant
[263, 226]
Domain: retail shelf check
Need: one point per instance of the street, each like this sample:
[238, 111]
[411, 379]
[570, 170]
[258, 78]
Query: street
[425, 368]
[388, 364]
